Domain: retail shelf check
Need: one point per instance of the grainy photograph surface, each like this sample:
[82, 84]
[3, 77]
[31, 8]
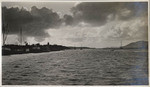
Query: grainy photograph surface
[74, 43]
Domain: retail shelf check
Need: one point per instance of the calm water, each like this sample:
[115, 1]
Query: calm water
[77, 67]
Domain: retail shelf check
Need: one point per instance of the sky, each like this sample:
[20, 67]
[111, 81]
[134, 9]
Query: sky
[88, 24]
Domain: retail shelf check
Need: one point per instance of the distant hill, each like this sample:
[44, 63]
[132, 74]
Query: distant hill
[137, 45]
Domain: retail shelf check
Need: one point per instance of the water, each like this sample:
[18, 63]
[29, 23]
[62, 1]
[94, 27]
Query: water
[77, 67]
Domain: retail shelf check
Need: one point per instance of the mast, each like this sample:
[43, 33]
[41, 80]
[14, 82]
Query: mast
[5, 33]
[121, 44]
[76, 34]
[120, 38]
[82, 35]
[21, 39]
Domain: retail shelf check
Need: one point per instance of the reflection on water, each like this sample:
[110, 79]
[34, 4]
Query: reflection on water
[77, 67]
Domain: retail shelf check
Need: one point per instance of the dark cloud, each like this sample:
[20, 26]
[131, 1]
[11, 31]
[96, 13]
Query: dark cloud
[68, 19]
[33, 23]
[85, 16]
[97, 12]
[93, 12]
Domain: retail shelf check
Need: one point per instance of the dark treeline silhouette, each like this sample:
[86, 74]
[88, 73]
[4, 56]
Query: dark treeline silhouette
[34, 48]
[10, 49]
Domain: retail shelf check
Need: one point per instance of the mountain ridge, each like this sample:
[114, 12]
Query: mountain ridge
[137, 45]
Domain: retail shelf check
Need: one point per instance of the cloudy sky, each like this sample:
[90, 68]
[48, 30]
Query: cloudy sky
[89, 24]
